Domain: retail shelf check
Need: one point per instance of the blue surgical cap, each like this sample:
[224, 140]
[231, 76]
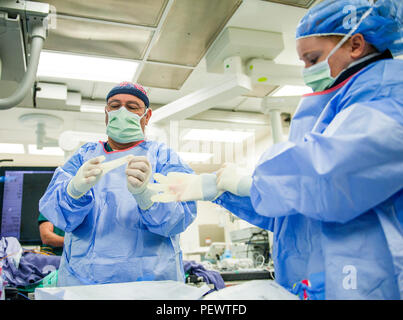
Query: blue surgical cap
[383, 28]
[134, 89]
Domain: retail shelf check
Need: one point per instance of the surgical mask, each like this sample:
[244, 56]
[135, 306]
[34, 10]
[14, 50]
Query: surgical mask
[124, 126]
[319, 76]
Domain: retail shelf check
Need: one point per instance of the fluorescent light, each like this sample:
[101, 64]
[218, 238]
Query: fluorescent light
[11, 148]
[217, 135]
[287, 91]
[49, 151]
[74, 66]
[92, 108]
[195, 156]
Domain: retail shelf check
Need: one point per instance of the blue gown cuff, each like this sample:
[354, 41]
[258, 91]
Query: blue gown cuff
[209, 186]
[143, 199]
[73, 192]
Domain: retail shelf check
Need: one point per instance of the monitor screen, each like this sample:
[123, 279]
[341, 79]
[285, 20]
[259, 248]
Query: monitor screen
[21, 188]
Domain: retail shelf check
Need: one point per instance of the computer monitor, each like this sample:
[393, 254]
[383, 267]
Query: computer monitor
[21, 188]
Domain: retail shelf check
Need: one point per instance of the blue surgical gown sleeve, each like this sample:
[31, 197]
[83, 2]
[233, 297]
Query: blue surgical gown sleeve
[57, 206]
[243, 209]
[355, 164]
[168, 219]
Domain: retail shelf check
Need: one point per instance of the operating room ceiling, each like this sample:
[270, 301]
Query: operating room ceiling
[170, 39]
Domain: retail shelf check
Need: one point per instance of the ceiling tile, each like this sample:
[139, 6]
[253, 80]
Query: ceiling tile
[160, 76]
[138, 12]
[89, 37]
[190, 28]
[296, 3]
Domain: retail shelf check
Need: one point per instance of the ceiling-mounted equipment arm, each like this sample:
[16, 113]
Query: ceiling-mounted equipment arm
[29, 77]
[35, 25]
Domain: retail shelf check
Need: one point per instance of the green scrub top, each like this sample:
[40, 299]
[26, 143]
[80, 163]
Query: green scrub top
[48, 248]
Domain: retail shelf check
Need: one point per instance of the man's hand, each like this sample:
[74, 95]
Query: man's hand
[86, 177]
[138, 173]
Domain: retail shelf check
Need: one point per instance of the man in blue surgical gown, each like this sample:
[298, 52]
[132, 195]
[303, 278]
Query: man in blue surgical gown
[114, 231]
[333, 193]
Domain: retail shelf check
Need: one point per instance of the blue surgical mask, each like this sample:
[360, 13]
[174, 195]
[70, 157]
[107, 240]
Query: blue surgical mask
[124, 126]
[319, 76]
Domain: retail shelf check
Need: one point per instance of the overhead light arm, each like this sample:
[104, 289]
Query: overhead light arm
[274, 106]
[232, 85]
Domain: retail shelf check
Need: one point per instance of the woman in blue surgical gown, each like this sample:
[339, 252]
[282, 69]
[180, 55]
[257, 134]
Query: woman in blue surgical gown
[332, 194]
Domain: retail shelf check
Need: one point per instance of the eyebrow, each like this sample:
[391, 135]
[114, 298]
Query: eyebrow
[134, 102]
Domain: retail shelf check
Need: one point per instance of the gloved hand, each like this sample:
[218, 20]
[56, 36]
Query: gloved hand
[86, 177]
[138, 173]
[229, 179]
[180, 186]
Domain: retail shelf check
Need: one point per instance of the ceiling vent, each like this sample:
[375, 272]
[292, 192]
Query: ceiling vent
[296, 3]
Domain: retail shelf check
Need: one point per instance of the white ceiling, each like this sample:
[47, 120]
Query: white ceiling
[251, 14]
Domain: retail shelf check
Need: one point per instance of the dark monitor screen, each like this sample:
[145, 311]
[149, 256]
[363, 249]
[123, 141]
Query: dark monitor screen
[21, 188]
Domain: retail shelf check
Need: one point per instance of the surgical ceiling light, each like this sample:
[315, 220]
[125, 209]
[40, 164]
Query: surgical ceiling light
[83, 67]
[217, 135]
[71, 140]
[14, 148]
[289, 91]
[40, 122]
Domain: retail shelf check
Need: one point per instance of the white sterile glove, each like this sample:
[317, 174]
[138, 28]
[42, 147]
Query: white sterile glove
[180, 186]
[229, 179]
[86, 177]
[90, 173]
[138, 175]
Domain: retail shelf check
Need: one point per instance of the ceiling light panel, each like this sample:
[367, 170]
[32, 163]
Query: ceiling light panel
[145, 13]
[160, 76]
[92, 108]
[12, 148]
[296, 3]
[74, 66]
[217, 135]
[195, 156]
[92, 37]
[190, 28]
[288, 91]
[48, 151]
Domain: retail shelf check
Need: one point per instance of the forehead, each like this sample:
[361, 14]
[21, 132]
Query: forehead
[124, 98]
[305, 45]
